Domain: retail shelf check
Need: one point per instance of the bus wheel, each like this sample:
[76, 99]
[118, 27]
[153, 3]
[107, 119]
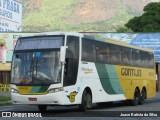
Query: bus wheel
[142, 97]
[89, 100]
[86, 101]
[42, 108]
[136, 99]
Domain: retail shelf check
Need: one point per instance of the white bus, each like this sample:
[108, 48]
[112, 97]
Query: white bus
[65, 68]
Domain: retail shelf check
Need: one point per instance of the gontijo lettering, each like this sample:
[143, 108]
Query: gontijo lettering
[130, 72]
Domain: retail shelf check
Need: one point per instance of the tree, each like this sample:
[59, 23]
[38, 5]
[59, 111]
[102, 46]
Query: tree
[123, 30]
[149, 21]
[2, 43]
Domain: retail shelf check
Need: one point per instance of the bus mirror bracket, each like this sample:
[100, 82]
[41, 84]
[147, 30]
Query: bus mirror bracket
[63, 54]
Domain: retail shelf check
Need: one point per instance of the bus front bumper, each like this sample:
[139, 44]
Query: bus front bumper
[51, 98]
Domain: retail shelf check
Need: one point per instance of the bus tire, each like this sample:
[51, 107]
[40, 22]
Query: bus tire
[86, 101]
[42, 108]
[136, 98]
[142, 97]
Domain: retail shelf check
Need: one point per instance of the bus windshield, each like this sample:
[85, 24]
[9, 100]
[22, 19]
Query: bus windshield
[36, 68]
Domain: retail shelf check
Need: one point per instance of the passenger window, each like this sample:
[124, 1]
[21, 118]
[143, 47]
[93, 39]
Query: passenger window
[150, 60]
[115, 54]
[136, 58]
[88, 50]
[126, 56]
[144, 59]
[103, 53]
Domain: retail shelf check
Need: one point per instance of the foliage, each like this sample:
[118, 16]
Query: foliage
[4, 98]
[124, 30]
[2, 42]
[55, 15]
[149, 21]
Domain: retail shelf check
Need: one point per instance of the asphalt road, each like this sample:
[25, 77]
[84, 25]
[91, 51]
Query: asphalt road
[150, 107]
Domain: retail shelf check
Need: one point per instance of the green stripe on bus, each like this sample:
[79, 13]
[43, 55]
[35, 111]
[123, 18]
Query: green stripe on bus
[39, 89]
[114, 80]
[35, 89]
[104, 78]
[43, 88]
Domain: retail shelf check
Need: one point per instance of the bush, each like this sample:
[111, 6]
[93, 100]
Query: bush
[2, 42]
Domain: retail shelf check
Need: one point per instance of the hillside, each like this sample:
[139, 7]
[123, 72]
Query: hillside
[82, 16]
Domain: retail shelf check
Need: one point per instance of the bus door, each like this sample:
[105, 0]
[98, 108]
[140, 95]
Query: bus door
[71, 65]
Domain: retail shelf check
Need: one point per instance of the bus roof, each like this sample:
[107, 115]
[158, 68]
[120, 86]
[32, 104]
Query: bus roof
[54, 33]
[116, 42]
[92, 37]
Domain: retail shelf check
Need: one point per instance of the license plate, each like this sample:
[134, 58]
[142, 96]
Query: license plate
[32, 99]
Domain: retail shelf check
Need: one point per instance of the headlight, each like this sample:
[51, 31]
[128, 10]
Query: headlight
[53, 90]
[14, 90]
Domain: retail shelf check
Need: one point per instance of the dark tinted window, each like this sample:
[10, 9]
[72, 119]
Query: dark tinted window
[126, 56]
[72, 60]
[115, 54]
[103, 53]
[89, 48]
[39, 42]
[147, 60]
[144, 59]
[136, 58]
[106, 53]
[150, 60]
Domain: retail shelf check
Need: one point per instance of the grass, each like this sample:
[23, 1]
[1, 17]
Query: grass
[5, 103]
[49, 16]
[4, 98]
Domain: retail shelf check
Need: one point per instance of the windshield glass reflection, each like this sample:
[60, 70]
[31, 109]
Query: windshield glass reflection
[36, 68]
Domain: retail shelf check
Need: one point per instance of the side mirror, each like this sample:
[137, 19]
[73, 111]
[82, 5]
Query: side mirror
[63, 53]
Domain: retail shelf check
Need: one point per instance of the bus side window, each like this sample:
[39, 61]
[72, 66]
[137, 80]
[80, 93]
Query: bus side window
[88, 50]
[150, 60]
[136, 58]
[144, 59]
[115, 54]
[126, 56]
[103, 54]
[72, 60]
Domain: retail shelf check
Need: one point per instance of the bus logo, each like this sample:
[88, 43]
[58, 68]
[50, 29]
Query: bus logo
[72, 96]
[87, 70]
[6, 114]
